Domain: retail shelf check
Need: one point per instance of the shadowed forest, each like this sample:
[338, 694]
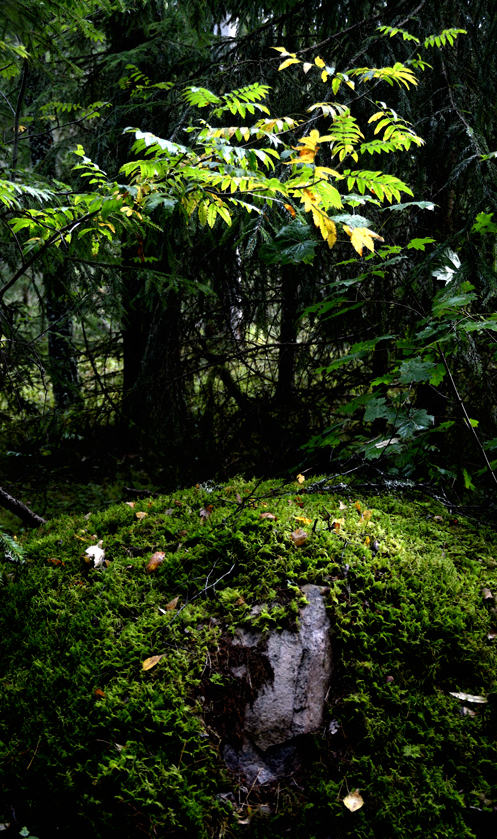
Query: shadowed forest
[245, 240]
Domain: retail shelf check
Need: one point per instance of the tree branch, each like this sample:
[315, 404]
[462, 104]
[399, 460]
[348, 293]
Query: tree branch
[20, 510]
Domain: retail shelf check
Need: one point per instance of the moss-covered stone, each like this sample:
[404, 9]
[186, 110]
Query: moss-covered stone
[90, 741]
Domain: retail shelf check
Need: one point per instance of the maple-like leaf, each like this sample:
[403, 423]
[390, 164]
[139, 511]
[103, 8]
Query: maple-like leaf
[362, 237]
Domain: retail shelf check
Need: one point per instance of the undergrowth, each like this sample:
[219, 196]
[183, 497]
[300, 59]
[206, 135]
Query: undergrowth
[91, 741]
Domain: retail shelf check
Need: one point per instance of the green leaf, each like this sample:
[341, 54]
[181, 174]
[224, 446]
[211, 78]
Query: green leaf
[468, 483]
[419, 244]
[376, 409]
[416, 370]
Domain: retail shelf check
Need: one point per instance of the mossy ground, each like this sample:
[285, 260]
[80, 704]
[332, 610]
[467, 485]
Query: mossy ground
[92, 743]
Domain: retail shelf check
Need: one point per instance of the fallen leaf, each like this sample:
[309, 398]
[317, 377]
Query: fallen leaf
[366, 515]
[353, 801]
[169, 512]
[300, 479]
[96, 553]
[239, 602]
[487, 594]
[55, 561]
[467, 697]
[205, 513]
[270, 516]
[357, 505]
[152, 661]
[437, 518]
[303, 519]
[492, 636]
[172, 604]
[299, 537]
[130, 504]
[178, 503]
[141, 515]
[88, 515]
[183, 533]
[155, 560]
[342, 506]
[99, 692]
[238, 498]
[466, 712]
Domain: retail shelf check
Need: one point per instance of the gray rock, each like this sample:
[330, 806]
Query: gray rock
[292, 704]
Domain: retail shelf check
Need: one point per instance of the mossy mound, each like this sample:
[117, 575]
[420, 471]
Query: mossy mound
[92, 743]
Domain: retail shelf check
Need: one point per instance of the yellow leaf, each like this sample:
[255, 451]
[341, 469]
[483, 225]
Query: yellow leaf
[152, 661]
[287, 63]
[303, 519]
[141, 515]
[324, 76]
[308, 199]
[290, 210]
[353, 801]
[300, 479]
[361, 237]
[319, 62]
[357, 505]
[283, 51]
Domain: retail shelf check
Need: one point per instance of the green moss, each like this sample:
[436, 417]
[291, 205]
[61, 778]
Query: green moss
[87, 734]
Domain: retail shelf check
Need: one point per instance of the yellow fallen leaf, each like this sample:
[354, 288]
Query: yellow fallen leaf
[353, 801]
[366, 515]
[300, 479]
[141, 515]
[303, 519]
[152, 661]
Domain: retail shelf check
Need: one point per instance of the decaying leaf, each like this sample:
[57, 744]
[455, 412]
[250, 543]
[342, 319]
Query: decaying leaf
[366, 515]
[357, 505]
[238, 498]
[437, 518]
[178, 503]
[299, 537]
[130, 504]
[172, 604]
[155, 560]
[141, 515]
[55, 561]
[99, 692]
[467, 697]
[152, 661]
[487, 594]
[353, 801]
[239, 602]
[342, 506]
[300, 479]
[205, 513]
[270, 516]
[303, 519]
[96, 553]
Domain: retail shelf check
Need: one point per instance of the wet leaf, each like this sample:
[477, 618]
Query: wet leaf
[155, 560]
[467, 697]
[172, 604]
[300, 479]
[130, 504]
[303, 519]
[141, 515]
[270, 516]
[99, 692]
[353, 801]
[152, 661]
[299, 537]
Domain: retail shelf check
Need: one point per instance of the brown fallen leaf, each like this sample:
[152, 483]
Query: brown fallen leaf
[172, 604]
[178, 503]
[239, 602]
[487, 594]
[183, 533]
[299, 537]
[55, 561]
[99, 692]
[152, 661]
[269, 516]
[155, 560]
[130, 504]
[141, 515]
[353, 801]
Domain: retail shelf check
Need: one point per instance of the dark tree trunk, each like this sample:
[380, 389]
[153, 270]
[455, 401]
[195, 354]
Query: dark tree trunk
[62, 366]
